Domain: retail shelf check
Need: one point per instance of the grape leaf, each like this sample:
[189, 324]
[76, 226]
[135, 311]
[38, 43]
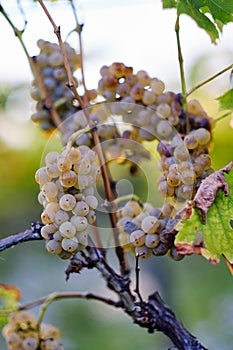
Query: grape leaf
[226, 100]
[214, 237]
[221, 12]
[9, 298]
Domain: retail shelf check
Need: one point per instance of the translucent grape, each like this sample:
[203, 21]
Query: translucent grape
[137, 238]
[79, 222]
[67, 202]
[67, 229]
[143, 252]
[30, 343]
[53, 247]
[50, 189]
[70, 244]
[203, 136]
[81, 208]
[152, 240]
[60, 217]
[68, 178]
[150, 224]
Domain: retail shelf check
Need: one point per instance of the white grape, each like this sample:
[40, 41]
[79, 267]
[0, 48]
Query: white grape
[137, 238]
[150, 224]
[60, 217]
[67, 202]
[67, 229]
[53, 247]
[80, 222]
[81, 208]
[70, 244]
[92, 202]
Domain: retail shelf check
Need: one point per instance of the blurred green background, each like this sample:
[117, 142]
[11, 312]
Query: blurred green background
[199, 293]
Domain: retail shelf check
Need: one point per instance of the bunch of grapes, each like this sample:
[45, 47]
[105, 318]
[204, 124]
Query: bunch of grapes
[22, 333]
[146, 230]
[50, 67]
[185, 161]
[67, 183]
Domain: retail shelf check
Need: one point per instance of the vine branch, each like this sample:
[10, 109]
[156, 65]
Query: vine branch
[31, 234]
[208, 80]
[180, 56]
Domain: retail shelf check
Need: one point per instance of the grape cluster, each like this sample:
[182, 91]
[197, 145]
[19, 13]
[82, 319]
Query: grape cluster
[67, 183]
[146, 230]
[185, 162]
[49, 64]
[21, 333]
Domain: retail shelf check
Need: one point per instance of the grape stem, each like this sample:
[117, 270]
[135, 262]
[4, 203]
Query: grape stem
[76, 134]
[180, 56]
[208, 80]
[83, 104]
[137, 274]
[221, 117]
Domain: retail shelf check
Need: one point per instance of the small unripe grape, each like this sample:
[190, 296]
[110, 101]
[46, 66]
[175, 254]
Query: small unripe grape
[81, 208]
[181, 153]
[152, 240]
[57, 236]
[67, 229]
[53, 247]
[150, 224]
[80, 222]
[188, 177]
[190, 141]
[173, 179]
[203, 136]
[70, 244]
[60, 217]
[67, 202]
[137, 238]
[143, 252]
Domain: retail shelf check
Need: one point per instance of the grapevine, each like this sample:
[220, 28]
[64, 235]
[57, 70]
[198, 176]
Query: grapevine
[125, 118]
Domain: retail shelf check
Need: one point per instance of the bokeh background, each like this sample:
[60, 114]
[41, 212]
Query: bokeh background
[140, 34]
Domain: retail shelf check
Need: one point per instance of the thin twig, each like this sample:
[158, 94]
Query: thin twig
[216, 120]
[208, 80]
[180, 56]
[79, 29]
[67, 295]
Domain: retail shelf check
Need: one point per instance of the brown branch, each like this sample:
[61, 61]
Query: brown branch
[31, 234]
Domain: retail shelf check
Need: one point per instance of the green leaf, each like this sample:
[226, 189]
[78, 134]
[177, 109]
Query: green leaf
[192, 9]
[226, 100]
[9, 301]
[169, 4]
[209, 15]
[214, 238]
